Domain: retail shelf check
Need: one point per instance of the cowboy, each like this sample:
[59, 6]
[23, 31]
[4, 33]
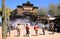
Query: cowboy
[18, 30]
[36, 29]
[43, 28]
[27, 30]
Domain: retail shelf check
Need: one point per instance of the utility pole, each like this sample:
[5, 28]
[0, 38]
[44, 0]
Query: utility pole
[3, 20]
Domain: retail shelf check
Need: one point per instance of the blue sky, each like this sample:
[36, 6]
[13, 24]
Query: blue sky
[40, 3]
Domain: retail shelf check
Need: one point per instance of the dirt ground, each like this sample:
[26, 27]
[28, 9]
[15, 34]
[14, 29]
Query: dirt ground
[47, 35]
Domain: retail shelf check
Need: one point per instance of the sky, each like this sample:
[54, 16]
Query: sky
[39, 3]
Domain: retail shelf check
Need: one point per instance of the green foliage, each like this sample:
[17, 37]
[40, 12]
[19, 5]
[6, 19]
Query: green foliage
[53, 10]
[42, 11]
[58, 8]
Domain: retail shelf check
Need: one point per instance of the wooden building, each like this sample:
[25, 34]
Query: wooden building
[27, 10]
[57, 23]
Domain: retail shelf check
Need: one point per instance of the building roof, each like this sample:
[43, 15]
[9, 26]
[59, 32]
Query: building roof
[27, 4]
[19, 6]
[35, 7]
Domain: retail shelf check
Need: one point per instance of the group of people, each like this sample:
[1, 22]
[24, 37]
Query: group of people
[18, 28]
[27, 30]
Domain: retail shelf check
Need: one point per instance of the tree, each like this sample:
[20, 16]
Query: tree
[42, 11]
[7, 11]
[53, 10]
[58, 6]
[0, 9]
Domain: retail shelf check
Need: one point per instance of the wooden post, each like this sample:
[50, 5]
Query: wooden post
[3, 20]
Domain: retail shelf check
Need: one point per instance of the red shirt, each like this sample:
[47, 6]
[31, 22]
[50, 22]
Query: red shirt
[27, 27]
[36, 27]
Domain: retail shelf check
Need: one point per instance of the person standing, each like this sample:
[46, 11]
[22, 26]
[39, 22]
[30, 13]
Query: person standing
[36, 29]
[27, 30]
[8, 30]
[18, 30]
[43, 28]
[52, 27]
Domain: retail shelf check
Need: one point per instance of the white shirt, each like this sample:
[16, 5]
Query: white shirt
[43, 26]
